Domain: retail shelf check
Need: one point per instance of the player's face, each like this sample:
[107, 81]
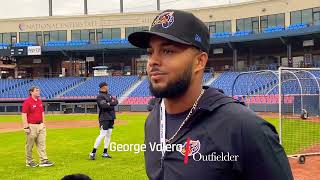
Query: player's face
[36, 92]
[170, 67]
[104, 89]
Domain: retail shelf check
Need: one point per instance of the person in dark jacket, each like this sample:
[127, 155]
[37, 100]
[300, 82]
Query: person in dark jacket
[203, 133]
[106, 104]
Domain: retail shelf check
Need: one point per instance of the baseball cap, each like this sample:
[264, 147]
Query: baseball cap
[102, 84]
[175, 25]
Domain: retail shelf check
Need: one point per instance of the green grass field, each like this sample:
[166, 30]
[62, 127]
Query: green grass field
[69, 149]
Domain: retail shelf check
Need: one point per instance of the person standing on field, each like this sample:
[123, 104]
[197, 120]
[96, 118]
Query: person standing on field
[34, 126]
[107, 115]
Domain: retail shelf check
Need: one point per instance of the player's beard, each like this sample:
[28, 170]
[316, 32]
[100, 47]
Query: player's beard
[174, 88]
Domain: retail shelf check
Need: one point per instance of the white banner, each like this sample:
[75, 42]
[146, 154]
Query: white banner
[34, 50]
[90, 59]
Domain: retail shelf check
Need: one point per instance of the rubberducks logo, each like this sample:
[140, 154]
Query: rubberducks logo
[194, 147]
[166, 19]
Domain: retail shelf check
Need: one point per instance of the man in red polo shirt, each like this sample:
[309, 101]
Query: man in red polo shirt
[33, 123]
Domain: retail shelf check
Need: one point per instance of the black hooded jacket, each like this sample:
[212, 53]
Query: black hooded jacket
[219, 126]
[106, 104]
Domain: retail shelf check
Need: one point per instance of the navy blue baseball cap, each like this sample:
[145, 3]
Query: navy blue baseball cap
[175, 25]
[102, 84]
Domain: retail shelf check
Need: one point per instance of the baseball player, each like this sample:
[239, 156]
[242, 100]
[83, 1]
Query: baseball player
[106, 104]
[219, 137]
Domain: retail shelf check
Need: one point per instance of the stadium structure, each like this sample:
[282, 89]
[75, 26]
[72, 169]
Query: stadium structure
[67, 56]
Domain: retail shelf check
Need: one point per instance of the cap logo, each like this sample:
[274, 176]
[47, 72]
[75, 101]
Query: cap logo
[197, 38]
[166, 19]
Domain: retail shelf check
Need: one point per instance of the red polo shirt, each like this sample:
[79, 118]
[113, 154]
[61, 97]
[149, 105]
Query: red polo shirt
[33, 108]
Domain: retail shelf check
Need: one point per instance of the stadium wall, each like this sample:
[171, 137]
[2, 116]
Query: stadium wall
[68, 107]
[209, 14]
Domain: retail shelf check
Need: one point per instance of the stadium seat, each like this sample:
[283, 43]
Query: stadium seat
[297, 26]
[242, 33]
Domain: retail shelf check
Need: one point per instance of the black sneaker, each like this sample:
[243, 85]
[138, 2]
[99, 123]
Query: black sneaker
[92, 156]
[46, 163]
[31, 164]
[106, 155]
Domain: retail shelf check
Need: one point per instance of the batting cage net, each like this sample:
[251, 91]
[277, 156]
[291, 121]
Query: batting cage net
[299, 110]
[289, 99]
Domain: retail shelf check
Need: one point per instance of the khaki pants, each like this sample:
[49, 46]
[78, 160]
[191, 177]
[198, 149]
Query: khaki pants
[37, 135]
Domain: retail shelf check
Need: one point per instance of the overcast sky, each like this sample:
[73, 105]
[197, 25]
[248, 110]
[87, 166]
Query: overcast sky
[32, 8]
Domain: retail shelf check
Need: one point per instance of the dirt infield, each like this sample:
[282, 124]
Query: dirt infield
[17, 126]
[268, 114]
[308, 171]
[311, 169]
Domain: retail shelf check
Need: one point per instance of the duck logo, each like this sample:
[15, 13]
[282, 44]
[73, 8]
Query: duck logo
[166, 19]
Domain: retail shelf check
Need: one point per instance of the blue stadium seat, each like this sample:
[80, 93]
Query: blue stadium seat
[297, 26]
[245, 85]
[117, 85]
[242, 33]
[274, 29]
[24, 44]
[221, 35]
[50, 87]
[113, 41]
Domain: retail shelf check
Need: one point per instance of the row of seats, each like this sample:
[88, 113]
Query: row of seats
[297, 26]
[86, 42]
[4, 44]
[266, 30]
[274, 29]
[225, 81]
[125, 41]
[244, 84]
[206, 77]
[6, 84]
[113, 41]
[247, 84]
[221, 35]
[290, 84]
[67, 43]
[24, 44]
[242, 33]
[267, 83]
[50, 87]
[73, 87]
[117, 86]
[142, 90]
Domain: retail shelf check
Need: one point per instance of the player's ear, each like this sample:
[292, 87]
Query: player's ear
[201, 61]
